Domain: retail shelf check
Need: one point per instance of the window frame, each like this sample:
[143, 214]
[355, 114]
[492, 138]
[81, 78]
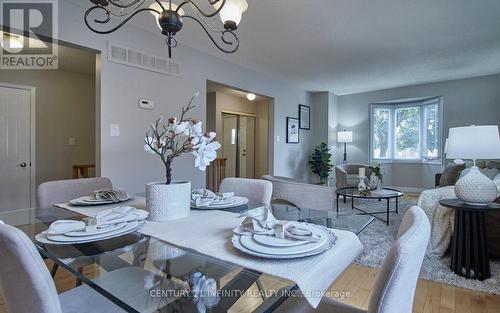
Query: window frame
[392, 106]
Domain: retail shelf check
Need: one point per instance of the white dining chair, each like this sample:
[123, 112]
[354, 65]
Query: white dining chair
[256, 190]
[394, 288]
[59, 191]
[27, 285]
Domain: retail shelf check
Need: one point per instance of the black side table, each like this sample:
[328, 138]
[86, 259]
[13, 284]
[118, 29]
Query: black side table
[469, 248]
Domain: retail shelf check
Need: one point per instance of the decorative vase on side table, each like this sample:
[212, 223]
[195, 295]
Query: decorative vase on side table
[170, 200]
[474, 143]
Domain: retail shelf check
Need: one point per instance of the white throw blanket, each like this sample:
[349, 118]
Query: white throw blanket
[440, 217]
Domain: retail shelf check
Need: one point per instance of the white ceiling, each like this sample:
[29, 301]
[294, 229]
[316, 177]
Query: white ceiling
[351, 46]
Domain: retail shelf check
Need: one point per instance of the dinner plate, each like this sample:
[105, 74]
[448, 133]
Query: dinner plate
[273, 241]
[330, 243]
[250, 243]
[63, 240]
[215, 206]
[89, 200]
[97, 231]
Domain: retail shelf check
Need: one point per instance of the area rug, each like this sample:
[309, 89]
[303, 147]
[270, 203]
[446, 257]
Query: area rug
[377, 239]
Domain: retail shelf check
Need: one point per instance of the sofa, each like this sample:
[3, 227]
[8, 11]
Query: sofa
[442, 218]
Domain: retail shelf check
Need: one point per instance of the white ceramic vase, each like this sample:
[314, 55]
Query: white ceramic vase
[168, 202]
[475, 188]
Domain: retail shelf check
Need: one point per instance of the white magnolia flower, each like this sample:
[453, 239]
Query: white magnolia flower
[205, 153]
[196, 129]
[182, 128]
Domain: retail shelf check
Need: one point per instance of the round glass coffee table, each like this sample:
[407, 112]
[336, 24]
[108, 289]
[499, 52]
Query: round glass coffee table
[382, 194]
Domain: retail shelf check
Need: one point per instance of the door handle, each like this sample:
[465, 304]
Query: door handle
[23, 164]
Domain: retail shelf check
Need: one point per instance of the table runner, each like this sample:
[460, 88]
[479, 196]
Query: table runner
[210, 232]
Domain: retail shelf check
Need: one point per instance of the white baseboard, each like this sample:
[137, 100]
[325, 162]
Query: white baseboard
[17, 217]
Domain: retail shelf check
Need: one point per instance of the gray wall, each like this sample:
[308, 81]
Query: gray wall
[466, 101]
[123, 158]
[324, 121]
[65, 107]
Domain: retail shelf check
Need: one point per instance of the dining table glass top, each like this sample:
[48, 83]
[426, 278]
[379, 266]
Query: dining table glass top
[143, 274]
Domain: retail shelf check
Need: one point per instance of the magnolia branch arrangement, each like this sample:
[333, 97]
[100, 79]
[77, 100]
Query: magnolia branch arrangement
[178, 136]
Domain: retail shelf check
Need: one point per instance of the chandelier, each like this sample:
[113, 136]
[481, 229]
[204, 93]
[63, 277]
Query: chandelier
[170, 18]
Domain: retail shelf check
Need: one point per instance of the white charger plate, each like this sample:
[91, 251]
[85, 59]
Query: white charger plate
[273, 241]
[237, 201]
[330, 243]
[131, 227]
[89, 200]
[98, 231]
[250, 243]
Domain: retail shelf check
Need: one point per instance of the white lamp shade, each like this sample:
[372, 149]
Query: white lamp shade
[166, 5]
[474, 142]
[344, 136]
[232, 10]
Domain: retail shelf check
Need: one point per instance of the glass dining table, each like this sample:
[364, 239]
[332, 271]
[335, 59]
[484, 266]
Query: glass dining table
[143, 274]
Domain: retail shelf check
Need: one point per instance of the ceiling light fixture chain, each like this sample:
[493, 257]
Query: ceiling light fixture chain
[170, 18]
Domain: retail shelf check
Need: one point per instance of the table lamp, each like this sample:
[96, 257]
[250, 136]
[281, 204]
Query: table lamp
[474, 143]
[344, 136]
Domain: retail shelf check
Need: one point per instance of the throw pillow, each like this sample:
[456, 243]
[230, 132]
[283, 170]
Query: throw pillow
[450, 175]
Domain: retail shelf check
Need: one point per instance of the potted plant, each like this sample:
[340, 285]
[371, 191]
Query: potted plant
[321, 162]
[168, 140]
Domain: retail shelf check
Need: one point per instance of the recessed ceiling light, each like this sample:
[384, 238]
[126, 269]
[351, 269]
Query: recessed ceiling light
[251, 96]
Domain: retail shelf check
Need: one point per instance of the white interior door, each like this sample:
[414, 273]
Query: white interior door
[249, 146]
[229, 143]
[242, 136]
[15, 163]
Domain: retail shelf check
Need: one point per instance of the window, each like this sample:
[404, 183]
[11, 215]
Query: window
[407, 131]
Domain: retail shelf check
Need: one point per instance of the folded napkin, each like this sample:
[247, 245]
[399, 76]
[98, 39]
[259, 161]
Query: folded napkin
[103, 218]
[257, 221]
[205, 197]
[261, 221]
[62, 227]
[120, 215]
[111, 195]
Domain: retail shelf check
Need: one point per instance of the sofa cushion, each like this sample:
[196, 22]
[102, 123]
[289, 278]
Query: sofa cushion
[450, 174]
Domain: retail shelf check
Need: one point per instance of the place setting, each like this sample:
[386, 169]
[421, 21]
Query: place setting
[203, 199]
[106, 224]
[102, 197]
[262, 235]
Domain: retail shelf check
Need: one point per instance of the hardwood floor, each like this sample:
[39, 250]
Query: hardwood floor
[353, 287]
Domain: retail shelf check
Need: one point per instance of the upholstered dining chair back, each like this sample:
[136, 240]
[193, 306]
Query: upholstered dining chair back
[59, 191]
[256, 190]
[394, 288]
[25, 281]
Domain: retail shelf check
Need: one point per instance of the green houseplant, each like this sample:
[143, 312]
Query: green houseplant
[321, 162]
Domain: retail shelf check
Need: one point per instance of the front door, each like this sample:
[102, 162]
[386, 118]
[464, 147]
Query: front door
[15, 177]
